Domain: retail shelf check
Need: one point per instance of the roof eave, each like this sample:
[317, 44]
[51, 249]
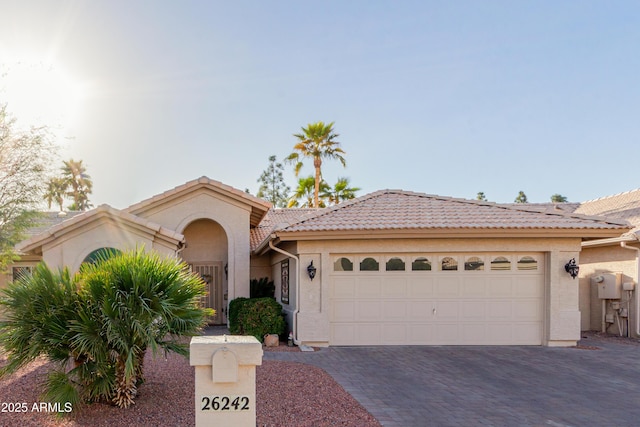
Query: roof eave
[613, 241]
[441, 233]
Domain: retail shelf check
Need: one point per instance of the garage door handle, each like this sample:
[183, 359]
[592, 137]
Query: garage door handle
[434, 311]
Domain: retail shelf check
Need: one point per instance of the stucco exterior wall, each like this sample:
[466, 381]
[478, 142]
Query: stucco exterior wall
[606, 259]
[176, 214]
[260, 267]
[72, 248]
[276, 259]
[562, 316]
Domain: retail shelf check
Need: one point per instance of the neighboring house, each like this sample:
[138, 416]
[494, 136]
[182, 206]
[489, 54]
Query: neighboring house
[391, 267]
[618, 312]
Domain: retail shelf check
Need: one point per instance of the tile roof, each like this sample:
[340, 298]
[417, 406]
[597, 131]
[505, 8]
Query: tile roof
[47, 220]
[625, 206]
[403, 210]
[275, 219]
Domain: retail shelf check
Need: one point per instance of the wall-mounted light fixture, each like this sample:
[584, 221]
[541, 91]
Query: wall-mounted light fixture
[311, 270]
[572, 268]
[226, 271]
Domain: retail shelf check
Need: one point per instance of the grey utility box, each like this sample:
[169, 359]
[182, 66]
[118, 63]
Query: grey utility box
[609, 285]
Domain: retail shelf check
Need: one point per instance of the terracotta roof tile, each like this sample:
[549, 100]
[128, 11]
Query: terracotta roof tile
[397, 209]
[624, 206]
[275, 219]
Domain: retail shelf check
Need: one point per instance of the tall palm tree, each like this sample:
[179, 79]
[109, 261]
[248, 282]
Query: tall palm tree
[56, 190]
[340, 191]
[317, 141]
[79, 183]
[305, 192]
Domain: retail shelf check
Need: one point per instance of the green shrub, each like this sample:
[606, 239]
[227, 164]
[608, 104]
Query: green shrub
[104, 318]
[234, 308]
[260, 316]
[260, 288]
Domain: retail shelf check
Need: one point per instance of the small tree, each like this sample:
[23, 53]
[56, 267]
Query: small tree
[56, 190]
[272, 186]
[558, 198]
[340, 192]
[79, 184]
[522, 198]
[24, 160]
[481, 196]
[305, 193]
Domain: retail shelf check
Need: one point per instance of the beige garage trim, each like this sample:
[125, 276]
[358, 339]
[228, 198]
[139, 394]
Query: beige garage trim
[437, 299]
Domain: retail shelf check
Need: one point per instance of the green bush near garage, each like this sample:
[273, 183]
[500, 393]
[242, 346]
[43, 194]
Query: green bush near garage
[234, 309]
[256, 317]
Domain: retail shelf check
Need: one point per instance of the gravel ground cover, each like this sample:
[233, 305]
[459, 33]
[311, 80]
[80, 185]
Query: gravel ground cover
[288, 394]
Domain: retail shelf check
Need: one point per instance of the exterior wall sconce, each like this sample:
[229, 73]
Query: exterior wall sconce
[226, 271]
[572, 268]
[311, 270]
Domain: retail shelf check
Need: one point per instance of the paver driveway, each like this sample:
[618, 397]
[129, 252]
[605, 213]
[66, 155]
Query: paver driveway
[493, 386]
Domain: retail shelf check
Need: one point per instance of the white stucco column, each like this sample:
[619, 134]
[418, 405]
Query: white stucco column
[225, 379]
[563, 313]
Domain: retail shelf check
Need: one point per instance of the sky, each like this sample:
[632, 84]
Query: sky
[448, 98]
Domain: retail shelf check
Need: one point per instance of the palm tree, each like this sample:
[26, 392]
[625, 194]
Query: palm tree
[317, 141]
[305, 191]
[79, 182]
[340, 192]
[56, 190]
[104, 318]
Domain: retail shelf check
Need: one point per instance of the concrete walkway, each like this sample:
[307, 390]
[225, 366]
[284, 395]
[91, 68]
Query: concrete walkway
[489, 386]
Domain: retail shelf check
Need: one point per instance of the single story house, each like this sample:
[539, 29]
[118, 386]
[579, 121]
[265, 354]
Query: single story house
[389, 268]
[615, 260]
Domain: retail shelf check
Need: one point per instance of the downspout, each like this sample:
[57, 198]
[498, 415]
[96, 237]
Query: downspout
[297, 276]
[623, 245]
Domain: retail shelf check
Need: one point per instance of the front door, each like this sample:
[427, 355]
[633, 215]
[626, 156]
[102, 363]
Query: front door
[212, 275]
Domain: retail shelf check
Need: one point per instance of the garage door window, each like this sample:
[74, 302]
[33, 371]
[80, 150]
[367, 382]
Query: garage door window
[343, 264]
[527, 263]
[474, 263]
[500, 264]
[369, 264]
[449, 264]
[395, 264]
[421, 264]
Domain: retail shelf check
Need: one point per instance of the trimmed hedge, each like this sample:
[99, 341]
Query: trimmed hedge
[256, 317]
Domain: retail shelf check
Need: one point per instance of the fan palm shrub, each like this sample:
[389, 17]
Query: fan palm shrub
[104, 319]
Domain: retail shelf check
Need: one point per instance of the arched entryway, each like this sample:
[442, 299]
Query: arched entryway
[207, 253]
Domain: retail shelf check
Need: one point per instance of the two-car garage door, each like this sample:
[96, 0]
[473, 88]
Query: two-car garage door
[437, 299]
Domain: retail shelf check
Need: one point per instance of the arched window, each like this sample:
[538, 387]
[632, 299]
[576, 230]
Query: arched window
[449, 264]
[101, 255]
[474, 263]
[527, 263]
[500, 263]
[395, 264]
[421, 264]
[369, 264]
[343, 264]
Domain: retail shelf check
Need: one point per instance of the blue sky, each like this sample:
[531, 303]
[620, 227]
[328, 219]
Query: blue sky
[448, 98]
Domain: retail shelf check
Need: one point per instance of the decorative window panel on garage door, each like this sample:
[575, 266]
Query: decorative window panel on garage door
[437, 299]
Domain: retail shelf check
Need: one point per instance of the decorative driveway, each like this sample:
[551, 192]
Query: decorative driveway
[596, 384]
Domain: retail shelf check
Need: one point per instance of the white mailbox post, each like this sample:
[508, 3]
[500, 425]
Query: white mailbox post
[225, 379]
